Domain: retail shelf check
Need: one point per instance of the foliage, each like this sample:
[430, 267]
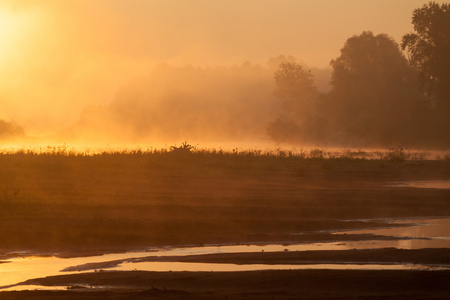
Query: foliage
[397, 155]
[367, 67]
[294, 85]
[184, 148]
[373, 95]
[374, 100]
[299, 96]
[204, 154]
[316, 153]
[429, 49]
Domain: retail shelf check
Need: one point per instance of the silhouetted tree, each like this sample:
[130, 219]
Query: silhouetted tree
[274, 62]
[429, 49]
[294, 85]
[373, 97]
[296, 90]
[10, 130]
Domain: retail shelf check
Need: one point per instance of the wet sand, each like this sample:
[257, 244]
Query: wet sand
[304, 284]
[385, 255]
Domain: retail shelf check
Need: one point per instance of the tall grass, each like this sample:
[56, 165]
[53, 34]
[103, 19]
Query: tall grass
[396, 155]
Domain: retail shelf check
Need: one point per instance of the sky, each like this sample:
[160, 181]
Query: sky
[59, 56]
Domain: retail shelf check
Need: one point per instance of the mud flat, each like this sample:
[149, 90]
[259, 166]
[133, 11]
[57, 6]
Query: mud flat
[366, 256]
[303, 284]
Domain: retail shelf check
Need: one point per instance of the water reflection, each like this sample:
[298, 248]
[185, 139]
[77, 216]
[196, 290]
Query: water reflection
[221, 267]
[34, 288]
[421, 234]
[441, 184]
[25, 268]
[429, 233]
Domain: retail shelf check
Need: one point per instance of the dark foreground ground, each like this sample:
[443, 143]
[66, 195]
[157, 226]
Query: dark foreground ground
[307, 284]
[78, 205]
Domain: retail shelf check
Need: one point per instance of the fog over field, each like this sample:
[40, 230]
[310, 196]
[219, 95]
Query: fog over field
[204, 149]
[159, 73]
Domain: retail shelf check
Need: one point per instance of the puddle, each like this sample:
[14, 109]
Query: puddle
[207, 267]
[422, 233]
[24, 268]
[34, 288]
[441, 184]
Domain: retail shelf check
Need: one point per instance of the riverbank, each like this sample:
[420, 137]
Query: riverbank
[440, 256]
[384, 256]
[303, 284]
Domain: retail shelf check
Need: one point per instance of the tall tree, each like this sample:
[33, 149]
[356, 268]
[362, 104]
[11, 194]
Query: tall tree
[295, 86]
[372, 91]
[429, 49]
[296, 90]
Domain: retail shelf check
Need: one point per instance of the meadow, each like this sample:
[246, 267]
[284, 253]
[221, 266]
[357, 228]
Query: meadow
[64, 202]
[59, 200]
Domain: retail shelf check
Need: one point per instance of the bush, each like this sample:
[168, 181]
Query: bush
[397, 155]
[184, 148]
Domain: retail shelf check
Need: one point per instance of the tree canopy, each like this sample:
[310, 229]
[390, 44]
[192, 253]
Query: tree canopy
[296, 90]
[294, 85]
[429, 50]
[373, 100]
[372, 89]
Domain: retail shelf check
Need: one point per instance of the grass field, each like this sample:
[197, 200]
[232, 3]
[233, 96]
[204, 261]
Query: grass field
[58, 200]
[70, 203]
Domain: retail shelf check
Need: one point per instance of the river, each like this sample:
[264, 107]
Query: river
[414, 234]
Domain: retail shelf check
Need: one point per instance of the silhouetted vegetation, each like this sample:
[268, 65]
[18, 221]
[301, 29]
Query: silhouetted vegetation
[295, 88]
[10, 130]
[184, 148]
[203, 153]
[378, 97]
[429, 49]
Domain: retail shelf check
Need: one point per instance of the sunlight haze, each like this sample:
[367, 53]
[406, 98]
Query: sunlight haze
[59, 57]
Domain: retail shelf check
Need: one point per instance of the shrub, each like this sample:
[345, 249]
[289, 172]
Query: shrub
[184, 148]
[396, 155]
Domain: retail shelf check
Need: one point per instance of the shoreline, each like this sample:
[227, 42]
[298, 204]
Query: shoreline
[435, 256]
[328, 236]
[306, 284]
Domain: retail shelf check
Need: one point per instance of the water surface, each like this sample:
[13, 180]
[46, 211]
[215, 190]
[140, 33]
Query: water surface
[439, 184]
[420, 233]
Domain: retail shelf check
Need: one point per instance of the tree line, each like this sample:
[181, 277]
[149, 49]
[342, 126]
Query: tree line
[379, 96]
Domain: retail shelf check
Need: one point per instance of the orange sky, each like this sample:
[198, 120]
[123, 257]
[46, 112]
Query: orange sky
[57, 56]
